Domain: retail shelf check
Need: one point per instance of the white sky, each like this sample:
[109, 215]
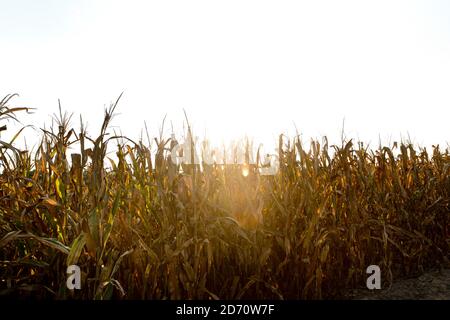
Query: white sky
[237, 67]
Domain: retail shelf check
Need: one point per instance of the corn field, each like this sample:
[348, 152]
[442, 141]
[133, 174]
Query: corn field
[141, 227]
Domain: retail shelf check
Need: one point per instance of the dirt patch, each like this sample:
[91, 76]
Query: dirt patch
[433, 285]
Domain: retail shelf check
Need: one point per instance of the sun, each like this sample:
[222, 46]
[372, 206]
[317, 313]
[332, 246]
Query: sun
[245, 170]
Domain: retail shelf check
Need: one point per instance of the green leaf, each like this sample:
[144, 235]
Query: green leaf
[59, 188]
[76, 249]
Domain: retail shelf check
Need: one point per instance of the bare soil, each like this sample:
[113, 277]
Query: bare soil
[432, 285]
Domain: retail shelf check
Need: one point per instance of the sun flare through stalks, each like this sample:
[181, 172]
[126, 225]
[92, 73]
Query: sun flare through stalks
[140, 226]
